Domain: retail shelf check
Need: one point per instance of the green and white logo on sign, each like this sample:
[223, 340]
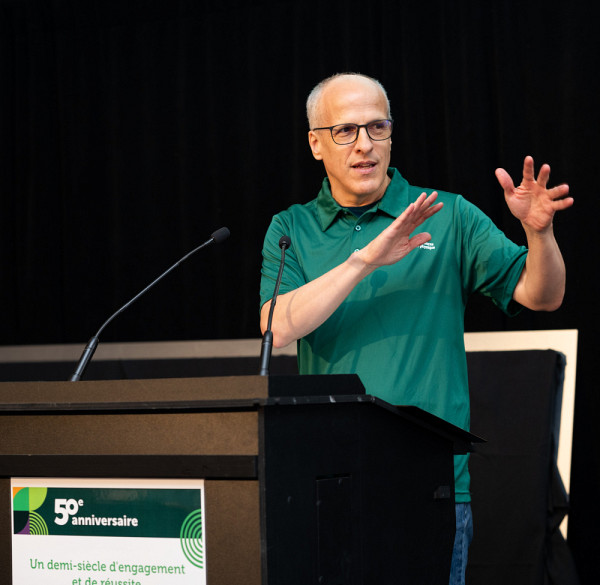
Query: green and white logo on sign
[191, 539]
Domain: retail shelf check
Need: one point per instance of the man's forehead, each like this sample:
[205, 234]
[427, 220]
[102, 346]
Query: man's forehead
[348, 93]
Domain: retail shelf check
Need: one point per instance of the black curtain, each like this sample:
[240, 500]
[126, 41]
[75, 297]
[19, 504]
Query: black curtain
[130, 130]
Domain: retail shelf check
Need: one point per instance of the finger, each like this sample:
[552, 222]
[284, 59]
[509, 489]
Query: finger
[418, 240]
[412, 208]
[543, 175]
[559, 191]
[417, 220]
[562, 204]
[505, 180]
[431, 199]
[528, 173]
[426, 212]
[418, 211]
[406, 213]
[434, 209]
[402, 224]
[424, 202]
[420, 200]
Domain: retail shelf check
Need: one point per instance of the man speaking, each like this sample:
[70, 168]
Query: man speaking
[363, 291]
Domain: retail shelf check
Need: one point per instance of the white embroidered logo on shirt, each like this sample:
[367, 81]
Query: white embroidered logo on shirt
[427, 246]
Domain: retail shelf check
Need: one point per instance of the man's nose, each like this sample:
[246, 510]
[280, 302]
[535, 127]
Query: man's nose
[363, 140]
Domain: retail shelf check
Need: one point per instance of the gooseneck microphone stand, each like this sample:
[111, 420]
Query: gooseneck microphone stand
[267, 343]
[216, 237]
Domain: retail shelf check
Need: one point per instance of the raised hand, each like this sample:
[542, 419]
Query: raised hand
[395, 242]
[532, 202]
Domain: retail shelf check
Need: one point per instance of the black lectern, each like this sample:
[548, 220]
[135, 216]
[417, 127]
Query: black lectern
[308, 480]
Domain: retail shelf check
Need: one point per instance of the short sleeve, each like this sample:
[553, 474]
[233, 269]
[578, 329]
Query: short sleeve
[492, 264]
[293, 276]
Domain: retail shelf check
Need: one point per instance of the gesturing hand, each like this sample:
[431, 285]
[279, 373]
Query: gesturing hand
[395, 242]
[532, 202]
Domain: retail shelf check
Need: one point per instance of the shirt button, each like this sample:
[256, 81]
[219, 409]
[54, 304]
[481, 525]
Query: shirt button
[357, 249]
[358, 228]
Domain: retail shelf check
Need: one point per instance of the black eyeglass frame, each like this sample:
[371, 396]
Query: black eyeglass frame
[358, 127]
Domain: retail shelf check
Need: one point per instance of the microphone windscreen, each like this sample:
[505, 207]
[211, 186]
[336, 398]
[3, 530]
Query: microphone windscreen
[220, 235]
[285, 241]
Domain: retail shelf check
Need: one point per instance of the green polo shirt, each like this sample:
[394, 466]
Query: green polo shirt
[402, 327]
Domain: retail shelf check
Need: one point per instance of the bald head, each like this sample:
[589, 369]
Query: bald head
[316, 105]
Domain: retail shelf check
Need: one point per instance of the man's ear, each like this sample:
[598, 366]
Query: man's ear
[315, 145]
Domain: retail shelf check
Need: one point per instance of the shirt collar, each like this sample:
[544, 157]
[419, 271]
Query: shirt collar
[393, 202]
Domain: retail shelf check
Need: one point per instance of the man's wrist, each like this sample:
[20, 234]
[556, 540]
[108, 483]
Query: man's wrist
[358, 264]
[538, 234]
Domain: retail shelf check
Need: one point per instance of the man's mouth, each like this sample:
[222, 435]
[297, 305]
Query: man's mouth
[364, 165]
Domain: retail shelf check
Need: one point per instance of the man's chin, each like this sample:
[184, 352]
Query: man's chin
[371, 187]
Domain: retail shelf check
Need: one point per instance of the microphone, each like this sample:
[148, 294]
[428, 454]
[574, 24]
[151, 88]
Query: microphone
[267, 342]
[216, 237]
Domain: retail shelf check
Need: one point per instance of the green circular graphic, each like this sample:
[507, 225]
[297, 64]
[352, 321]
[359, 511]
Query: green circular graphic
[191, 539]
[37, 524]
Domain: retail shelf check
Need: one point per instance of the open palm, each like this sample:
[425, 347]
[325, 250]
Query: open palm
[532, 202]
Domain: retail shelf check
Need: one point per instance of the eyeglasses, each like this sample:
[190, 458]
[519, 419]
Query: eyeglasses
[348, 133]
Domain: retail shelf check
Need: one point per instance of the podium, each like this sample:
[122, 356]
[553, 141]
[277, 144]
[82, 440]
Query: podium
[307, 479]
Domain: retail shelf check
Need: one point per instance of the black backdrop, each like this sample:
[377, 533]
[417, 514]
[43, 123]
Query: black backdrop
[130, 130]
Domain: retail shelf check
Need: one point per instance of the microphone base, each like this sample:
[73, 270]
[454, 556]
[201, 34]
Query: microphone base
[85, 358]
[265, 352]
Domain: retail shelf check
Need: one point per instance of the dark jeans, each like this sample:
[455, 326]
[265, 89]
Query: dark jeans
[462, 540]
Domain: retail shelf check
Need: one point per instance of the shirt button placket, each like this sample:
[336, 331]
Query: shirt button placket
[357, 240]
